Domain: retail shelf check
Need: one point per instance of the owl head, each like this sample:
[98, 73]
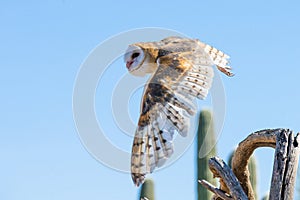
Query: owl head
[138, 61]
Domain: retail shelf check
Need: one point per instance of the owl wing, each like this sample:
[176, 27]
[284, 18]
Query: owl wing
[167, 106]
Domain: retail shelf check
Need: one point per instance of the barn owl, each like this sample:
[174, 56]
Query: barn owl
[181, 70]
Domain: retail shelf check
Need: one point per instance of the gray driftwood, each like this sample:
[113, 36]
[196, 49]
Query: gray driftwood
[217, 191]
[217, 165]
[236, 184]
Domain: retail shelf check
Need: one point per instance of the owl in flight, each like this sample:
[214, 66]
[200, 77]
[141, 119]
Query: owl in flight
[181, 70]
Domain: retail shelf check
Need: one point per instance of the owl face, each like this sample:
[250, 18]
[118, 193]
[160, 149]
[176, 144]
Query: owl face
[138, 61]
[134, 59]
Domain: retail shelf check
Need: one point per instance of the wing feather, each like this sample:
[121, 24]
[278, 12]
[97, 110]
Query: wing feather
[219, 58]
[183, 102]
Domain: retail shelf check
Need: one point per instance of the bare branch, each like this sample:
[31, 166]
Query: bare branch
[285, 166]
[237, 182]
[221, 170]
[263, 138]
[285, 163]
[216, 191]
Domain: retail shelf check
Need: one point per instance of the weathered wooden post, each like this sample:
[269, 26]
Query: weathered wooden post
[235, 182]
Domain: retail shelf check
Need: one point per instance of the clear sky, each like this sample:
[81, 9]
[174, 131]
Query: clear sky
[43, 44]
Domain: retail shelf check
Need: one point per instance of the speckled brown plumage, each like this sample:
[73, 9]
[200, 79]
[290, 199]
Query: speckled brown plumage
[182, 72]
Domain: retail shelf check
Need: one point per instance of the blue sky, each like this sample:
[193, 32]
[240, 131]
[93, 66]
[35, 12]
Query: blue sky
[44, 44]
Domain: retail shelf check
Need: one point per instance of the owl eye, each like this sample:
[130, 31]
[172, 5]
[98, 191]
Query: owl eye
[134, 55]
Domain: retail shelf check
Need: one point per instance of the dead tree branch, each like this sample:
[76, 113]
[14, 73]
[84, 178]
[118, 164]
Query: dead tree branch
[216, 191]
[286, 159]
[285, 166]
[219, 168]
[264, 138]
[237, 182]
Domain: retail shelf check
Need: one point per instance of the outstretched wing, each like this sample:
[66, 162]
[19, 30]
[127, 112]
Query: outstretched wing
[168, 105]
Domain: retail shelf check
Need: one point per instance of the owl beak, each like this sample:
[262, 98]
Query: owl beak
[128, 64]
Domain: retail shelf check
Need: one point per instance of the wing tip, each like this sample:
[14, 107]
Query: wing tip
[225, 70]
[138, 179]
